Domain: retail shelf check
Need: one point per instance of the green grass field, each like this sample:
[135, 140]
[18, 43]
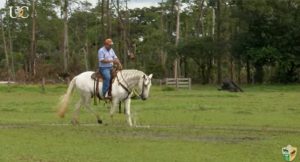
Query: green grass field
[185, 126]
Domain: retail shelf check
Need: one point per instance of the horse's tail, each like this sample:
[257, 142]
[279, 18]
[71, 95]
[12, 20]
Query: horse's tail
[63, 105]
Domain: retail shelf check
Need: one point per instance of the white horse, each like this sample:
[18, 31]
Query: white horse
[123, 86]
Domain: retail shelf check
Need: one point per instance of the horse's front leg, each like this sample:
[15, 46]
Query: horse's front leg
[113, 108]
[127, 109]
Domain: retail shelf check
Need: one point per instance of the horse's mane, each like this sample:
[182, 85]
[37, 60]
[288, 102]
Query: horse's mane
[131, 76]
[131, 73]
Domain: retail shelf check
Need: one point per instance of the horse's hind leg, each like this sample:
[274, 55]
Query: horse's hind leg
[76, 112]
[91, 110]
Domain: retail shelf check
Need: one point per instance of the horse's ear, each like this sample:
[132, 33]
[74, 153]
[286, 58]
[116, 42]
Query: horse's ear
[150, 76]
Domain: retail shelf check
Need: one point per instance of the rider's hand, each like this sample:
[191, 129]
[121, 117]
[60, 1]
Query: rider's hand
[116, 62]
[120, 66]
[107, 61]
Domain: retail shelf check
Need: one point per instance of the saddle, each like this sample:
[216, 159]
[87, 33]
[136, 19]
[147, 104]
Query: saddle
[98, 77]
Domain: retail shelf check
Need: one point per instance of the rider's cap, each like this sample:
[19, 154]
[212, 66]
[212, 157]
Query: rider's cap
[108, 42]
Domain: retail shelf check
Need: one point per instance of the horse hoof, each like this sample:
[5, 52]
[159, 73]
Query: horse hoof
[99, 121]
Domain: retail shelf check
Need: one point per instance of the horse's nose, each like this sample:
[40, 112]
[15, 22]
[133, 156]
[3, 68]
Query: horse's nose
[144, 98]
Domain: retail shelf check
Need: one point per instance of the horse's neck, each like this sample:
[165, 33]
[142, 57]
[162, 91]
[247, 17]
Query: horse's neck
[130, 78]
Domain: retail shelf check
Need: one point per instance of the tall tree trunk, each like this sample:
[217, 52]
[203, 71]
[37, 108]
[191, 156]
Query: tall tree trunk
[123, 41]
[219, 56]
[163, 54]
[209, 70]
[213, 22]
[86, 52]
[109, 19]
[5, 48]
[259, 73]
[127, 25]
[239, 67]
[231, 68]
[32, 61]
[200, 22]
[66, 41]
[124, 49]
[103, 32]
[11, 48]
[119, 27]
[11, 54]
[125, 36]
[177, 60]
[185, 67]
[170, 21]
[248, 72]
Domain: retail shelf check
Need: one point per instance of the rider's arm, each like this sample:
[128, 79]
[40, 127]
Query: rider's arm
[106, 61]
[116, 61]
[115, 57]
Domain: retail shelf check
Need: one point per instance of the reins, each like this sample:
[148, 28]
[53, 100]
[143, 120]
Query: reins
[127, 88]
[123, 86]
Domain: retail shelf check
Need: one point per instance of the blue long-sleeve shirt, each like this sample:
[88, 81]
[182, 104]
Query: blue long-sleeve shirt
[103, 53]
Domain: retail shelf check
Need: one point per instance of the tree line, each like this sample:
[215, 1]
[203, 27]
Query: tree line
[248, 41]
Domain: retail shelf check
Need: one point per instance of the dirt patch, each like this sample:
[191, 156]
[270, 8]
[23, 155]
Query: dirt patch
[32, 158]
[225, 134]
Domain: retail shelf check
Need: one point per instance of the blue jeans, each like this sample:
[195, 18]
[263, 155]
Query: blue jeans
[105, 71]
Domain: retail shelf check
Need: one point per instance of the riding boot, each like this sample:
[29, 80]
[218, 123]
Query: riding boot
[107, 96]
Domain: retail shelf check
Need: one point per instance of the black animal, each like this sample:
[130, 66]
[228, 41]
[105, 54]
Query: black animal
[231, 86]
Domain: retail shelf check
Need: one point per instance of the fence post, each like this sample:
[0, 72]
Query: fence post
[190, 83]
[43, 85]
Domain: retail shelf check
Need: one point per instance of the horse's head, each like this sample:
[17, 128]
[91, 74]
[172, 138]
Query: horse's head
[144, 86]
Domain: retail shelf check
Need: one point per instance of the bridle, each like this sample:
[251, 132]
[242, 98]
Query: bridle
[126, 87]
[143, 89]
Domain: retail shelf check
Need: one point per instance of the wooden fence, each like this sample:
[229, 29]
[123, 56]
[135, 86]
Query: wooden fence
[177, 82]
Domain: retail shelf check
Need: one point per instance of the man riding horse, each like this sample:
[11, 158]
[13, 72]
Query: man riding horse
[107, 58]
[122, 88]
